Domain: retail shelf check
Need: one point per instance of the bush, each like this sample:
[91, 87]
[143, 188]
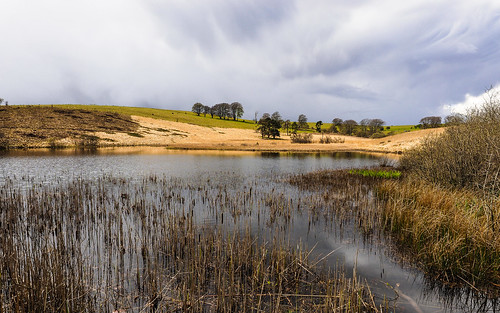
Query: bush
[467, 155]
[378, 135]
[302, 138]
[329, 139]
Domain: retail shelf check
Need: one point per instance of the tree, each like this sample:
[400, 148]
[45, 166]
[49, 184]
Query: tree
[430, 121]
[222, 110]
[348, 127]
[363, 124]
[1, 100]
[318, 126]
[375, 125]
[206, 110]
[287, 125]
[303, 121]
[337, 121]
[265, 115]
[197, 108]
[213, 110]
[454, 119]
[236, 110]
[295, 127]
[269, 127]
[277, 117]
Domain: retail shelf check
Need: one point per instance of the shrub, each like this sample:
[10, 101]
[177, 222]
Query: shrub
[329, 139]
[302, 138]
[378, 135]
[466, 155]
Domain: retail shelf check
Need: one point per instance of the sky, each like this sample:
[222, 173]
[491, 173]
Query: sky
[353, 59]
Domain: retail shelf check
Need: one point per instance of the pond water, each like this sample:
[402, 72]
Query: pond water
[235, 172]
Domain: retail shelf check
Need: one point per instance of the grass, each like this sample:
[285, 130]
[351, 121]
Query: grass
[453, 234]
[168, 115]
[386, 174]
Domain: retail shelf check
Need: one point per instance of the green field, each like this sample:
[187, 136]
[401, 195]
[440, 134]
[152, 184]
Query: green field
[192, 118]
[168, 115]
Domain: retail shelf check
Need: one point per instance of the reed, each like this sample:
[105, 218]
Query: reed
[139, 244]
[453, 234]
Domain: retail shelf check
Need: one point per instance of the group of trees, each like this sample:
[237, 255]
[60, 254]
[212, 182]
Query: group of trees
[222, 110]
[365, 128]
[2, 100]
[270, 125]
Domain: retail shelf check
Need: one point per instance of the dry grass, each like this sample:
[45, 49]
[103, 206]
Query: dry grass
[453, 235]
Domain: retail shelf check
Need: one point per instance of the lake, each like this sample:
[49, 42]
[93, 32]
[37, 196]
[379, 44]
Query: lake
[235, 189]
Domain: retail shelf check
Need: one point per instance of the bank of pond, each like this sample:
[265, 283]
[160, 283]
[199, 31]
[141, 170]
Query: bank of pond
[239, 232]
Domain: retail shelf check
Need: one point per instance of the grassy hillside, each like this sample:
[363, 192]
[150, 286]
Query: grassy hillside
[169, 115]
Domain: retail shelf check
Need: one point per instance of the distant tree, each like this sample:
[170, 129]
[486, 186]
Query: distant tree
[294, 127]
[277, 116]
[375, 125]
[236, 110]
[430, 121]
[6, 103]
[1, 100]
[287, 125]
[454, 119]
[206, 110]
[197, 108]
[363, 124]
[269, 127]
[318, 126]
[255, 117]
[348, 127]
[213, 110]
[337, 121]
[265, 115]
[222, 110]
[303, 121]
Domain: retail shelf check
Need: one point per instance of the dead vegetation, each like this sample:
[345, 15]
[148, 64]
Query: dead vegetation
[46, 126]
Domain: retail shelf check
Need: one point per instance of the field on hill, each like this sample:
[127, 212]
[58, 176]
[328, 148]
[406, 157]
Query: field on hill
[60, 126]
[168, 115]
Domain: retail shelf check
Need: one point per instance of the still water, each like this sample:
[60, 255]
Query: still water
[371, 259]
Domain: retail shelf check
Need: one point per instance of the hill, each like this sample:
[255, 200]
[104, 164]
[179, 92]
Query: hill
[92, 126]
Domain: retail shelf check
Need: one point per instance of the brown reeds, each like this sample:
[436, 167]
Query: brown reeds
[136, 245]
[453, 234]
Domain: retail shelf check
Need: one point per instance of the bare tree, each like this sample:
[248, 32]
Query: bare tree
[236, 110]
[430, 121]
[303, 121]
[206, 110]
[348, 126]
[337, 121]
[454, 119]
[375, 125]
[197, 108]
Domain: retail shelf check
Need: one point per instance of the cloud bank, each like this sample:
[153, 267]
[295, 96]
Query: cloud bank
[395, 60]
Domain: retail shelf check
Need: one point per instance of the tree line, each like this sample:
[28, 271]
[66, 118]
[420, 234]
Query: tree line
[269, 125]
[222, 110]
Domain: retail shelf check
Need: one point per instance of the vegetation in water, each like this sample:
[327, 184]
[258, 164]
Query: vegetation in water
[115, 244]
[376, 173]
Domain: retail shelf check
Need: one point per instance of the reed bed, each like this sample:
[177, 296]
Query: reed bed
[453, 234]
[156, 244]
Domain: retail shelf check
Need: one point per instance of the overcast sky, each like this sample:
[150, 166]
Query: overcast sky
[354, 59]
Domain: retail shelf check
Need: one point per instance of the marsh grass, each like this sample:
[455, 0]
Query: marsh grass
[453, 234]
[377, 173]
[138, 245]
